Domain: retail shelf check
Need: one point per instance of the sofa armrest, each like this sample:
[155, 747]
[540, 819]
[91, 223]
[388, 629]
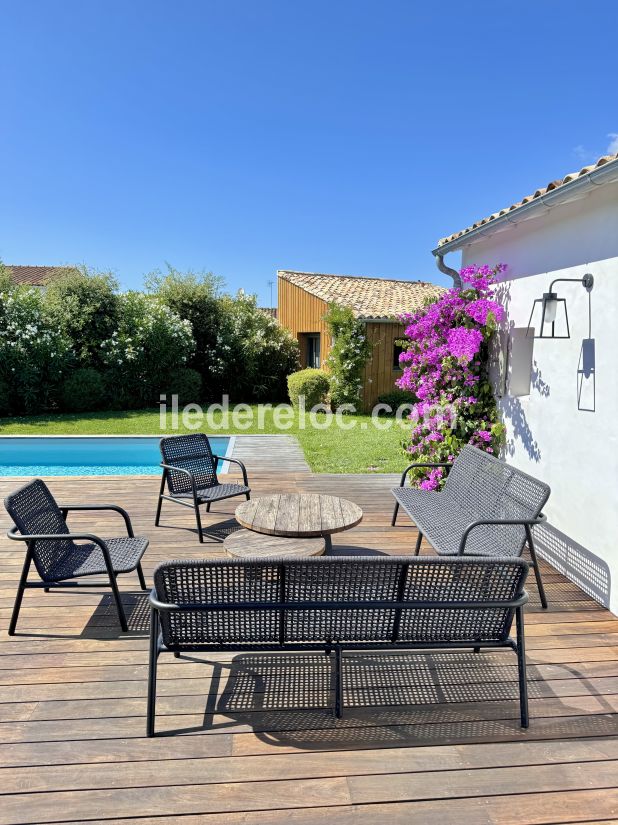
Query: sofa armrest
[523, 522]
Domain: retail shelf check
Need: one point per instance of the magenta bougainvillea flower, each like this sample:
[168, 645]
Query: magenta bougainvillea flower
[444, 365]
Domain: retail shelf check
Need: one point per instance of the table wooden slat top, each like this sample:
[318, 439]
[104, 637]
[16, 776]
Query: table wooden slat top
[298, 515]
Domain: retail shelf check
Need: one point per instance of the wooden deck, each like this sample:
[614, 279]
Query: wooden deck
[425, 738]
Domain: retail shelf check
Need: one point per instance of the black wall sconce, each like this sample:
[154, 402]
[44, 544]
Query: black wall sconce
[550, 302]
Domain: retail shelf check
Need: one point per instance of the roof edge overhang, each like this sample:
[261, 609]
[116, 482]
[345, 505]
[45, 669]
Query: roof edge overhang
[568, 192]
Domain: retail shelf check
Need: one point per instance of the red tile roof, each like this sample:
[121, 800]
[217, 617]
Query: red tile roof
[369, 298]
[36, 275]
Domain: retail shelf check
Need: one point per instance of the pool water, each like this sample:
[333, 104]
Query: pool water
[86, 456]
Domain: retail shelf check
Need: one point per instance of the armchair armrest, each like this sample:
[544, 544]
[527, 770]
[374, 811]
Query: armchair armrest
[448, 464]
[523, 522]
[65, 508]
[28, 537]
[169, 467]
[235, 461]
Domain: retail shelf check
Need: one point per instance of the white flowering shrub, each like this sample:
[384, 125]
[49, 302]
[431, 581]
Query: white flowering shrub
[142, 354]
[252, 355]
[349, 353]
[34, 353]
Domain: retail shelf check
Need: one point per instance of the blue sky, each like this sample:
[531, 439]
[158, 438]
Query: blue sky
[242, 137]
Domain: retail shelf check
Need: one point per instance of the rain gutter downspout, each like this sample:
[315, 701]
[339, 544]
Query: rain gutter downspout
[447, 270]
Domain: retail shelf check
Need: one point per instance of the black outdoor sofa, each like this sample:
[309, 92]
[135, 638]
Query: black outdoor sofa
[190, 472]
[487, 508]
[59, 561]
[335, 604]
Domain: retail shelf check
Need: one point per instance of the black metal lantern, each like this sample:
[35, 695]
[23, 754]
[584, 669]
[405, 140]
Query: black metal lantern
[551, 306]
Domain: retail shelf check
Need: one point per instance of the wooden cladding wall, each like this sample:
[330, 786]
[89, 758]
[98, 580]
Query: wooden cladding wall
[379, 375]
[302, 312]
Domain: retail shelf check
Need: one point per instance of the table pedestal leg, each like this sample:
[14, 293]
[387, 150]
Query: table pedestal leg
[329, 543]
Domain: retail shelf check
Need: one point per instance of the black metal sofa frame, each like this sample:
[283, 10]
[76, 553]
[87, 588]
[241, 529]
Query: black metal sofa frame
[335, 604]
[487, 508]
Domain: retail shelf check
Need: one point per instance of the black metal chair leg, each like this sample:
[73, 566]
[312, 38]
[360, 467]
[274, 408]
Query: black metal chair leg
[535, 564]
[140, 575]
[152, 672]
[248, 496]
[521, 668]
[419, 539]
[208, 507]
[20, 592]
[395, 511]
[198, 519]
[114, 585]
[338, 683]
[160, 502]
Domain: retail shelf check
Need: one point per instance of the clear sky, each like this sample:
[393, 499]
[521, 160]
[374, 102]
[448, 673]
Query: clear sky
[343, 136]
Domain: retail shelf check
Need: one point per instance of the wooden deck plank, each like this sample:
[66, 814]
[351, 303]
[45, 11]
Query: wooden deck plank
[425, 738]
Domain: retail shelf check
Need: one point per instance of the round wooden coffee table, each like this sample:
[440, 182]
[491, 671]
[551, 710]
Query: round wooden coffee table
[247, 544]
[299, 515]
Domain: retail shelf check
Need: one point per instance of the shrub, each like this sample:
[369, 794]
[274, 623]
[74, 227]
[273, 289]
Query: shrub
[83, 390]
[84, 306]
[254, 353]
[195, 298]
[186, 383]
[34, 353]
[239, 349]
[348, 355]
[445, 366]
[395, 399]
[151, 343]
[5, 398]
[310, 383]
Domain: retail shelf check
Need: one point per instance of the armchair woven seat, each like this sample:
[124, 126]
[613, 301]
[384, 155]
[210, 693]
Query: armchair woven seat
[88, 560]
[217, 493]
[190, 473]
[486, 508]
[41, 523]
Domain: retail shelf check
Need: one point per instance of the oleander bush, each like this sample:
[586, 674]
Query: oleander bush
[82, 390]
[186, 383]
[35, 354]
[311, 384]
[181, 335]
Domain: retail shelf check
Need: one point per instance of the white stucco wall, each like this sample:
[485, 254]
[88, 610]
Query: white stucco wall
[569, 443]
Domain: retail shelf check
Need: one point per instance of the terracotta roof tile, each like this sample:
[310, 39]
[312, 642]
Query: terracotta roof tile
[369, 298]
[36, 275]
[555, 184]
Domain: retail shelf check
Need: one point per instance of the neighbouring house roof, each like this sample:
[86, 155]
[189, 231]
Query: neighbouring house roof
[36, 275]
[539, 196]
[377, 299]
[272, 311]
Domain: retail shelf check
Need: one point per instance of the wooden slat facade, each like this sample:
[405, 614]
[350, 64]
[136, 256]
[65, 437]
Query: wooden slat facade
[380, 373]
[426, 738]
[303, 313]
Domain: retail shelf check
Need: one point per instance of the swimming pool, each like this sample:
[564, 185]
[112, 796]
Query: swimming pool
[108, 455]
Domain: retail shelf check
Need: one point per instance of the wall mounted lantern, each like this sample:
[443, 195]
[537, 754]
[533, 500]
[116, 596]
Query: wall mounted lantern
[550, 305]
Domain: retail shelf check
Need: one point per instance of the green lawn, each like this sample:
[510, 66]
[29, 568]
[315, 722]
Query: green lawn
[362, 449]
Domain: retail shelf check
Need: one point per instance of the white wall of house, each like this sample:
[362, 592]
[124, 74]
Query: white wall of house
[566, 430]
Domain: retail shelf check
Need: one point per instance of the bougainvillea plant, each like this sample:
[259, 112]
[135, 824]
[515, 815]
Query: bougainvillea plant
[445, 367]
